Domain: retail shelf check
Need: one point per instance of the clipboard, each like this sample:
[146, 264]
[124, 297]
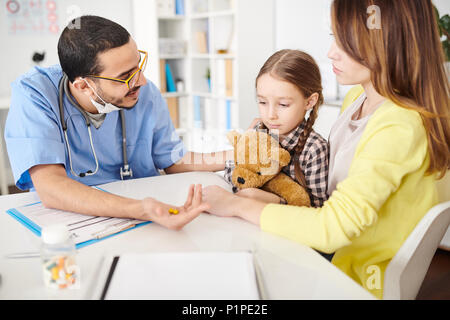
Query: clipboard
[127, 224]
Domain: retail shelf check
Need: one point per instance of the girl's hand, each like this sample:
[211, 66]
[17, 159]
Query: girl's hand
[227, 204]
[254, 122]
[260, 195]
[220, 201]
[158, 212]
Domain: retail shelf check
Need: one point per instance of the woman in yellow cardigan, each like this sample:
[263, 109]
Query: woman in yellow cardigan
[388, 147]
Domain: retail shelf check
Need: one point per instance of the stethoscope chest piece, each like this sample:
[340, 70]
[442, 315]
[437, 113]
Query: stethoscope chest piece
[126, 172]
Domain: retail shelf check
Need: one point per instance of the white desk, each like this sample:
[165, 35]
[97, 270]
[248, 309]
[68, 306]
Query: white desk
[4, 105]
[290, 270]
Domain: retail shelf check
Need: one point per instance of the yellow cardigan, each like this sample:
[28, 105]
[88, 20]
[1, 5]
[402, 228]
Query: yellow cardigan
[371, 213]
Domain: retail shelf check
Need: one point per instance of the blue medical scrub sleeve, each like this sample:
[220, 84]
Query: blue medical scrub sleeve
[167, 147]
[32, 133]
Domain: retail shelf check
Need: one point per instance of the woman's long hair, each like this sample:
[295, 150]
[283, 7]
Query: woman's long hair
[398, 40]
[299, 69]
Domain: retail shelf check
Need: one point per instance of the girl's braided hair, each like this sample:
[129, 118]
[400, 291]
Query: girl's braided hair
[300, 69]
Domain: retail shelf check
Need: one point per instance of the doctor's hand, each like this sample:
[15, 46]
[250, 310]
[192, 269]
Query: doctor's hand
[158, 212]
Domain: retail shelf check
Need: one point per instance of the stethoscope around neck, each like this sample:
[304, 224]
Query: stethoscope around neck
[125, 171]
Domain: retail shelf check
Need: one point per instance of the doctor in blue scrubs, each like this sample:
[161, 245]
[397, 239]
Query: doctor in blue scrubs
[95, 119]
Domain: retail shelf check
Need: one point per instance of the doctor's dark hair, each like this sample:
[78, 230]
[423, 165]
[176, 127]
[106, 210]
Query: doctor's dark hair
[83, 39]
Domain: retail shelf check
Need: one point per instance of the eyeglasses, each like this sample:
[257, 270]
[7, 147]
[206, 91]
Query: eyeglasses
[134, 78]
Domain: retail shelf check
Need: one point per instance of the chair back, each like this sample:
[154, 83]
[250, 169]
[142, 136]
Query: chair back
[407, 269]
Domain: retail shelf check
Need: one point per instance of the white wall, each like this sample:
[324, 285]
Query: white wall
[305, 25]
[443, 6]
[17, 50]
[255, 45]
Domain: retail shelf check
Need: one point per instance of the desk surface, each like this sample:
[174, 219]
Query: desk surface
[290, 270]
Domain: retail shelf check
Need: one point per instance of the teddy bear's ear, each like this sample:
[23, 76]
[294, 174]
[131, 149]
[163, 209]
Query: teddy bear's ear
[272, 170]
[285, 157]
[279, 154]
[233, 137]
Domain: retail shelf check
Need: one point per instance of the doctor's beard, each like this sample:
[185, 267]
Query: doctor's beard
[118, 102]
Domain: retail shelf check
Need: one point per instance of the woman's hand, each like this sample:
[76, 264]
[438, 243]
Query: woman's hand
[158, 212]
[226, 204]
[260, 195]
[220, 201]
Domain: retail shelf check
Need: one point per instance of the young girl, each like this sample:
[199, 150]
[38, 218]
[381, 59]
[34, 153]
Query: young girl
[389, 145]
[287, 86]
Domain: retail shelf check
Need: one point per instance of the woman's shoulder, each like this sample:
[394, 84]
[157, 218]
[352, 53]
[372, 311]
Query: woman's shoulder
[392, 114]
[393, 128]
[351, 96]
[388, 114]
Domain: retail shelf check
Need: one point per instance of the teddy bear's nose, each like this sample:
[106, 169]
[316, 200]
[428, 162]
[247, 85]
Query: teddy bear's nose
[241, 180]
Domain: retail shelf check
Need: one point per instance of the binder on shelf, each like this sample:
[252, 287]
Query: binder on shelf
[229, 78]
[183, 112]
[170, 80]
[228, 115]
[202, 42]
[165, 8]
[162, 76]
[221, 115]
[172, 105]
[198, 121]
[179, 7]
[220, 78]
[224, 77]
[210, 115]
[172, 46]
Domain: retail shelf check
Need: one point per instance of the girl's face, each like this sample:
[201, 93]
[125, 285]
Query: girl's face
[347, 70]
[282, 105]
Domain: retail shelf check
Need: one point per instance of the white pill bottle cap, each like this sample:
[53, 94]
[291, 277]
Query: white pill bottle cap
[54, 234]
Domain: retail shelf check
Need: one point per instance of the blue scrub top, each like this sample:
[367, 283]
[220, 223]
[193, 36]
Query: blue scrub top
[34, 135]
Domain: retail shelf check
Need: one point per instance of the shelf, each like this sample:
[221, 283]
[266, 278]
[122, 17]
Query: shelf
[227, 99]
[211, 56]
[172, 56]
[212, 14]
[199, 94]
[213, 96]
[174, 17]
[174, 94]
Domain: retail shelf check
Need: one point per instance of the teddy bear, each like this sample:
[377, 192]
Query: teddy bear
[258, 160]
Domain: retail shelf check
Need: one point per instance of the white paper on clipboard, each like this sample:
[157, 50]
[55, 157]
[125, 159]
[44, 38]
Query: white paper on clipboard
[179, 276]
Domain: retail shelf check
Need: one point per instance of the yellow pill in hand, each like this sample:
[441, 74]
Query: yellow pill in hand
[173, 211]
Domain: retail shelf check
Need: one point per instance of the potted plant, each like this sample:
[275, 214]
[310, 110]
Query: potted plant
[444, 31]
[208, 78]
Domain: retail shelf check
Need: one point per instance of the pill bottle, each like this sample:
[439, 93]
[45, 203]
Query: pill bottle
[58, 254]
